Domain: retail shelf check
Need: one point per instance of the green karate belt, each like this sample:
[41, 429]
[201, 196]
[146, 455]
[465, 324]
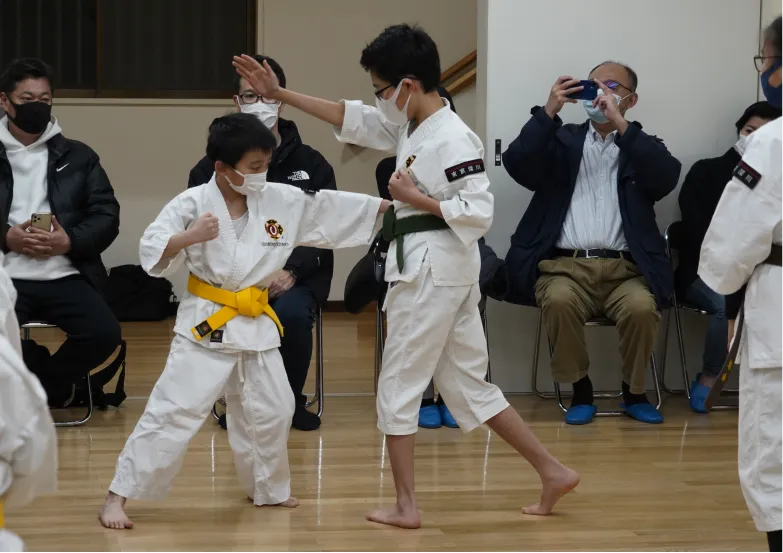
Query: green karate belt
[396, 229]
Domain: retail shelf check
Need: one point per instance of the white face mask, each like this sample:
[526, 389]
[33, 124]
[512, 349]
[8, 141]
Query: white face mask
[250, 183]
[742, 143]
[266, 113]
[390, 110]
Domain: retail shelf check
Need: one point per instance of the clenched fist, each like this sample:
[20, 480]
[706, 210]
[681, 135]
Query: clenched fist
[205, 229]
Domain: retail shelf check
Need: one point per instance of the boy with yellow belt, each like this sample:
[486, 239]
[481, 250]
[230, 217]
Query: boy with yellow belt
[233, 233]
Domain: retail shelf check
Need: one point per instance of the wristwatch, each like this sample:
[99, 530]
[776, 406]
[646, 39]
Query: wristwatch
[293, 274]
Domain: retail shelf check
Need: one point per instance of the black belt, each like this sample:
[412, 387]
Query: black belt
[595, 254]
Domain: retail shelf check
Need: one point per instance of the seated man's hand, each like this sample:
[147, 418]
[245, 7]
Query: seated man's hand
[59, 240]
[15, 237]
[42, 243]
[282, 281]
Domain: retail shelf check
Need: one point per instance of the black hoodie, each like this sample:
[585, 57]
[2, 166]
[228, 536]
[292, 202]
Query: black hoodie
[299, 165]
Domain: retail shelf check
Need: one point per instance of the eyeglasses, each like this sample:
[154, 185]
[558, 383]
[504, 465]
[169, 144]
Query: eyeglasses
[761, 60]
[612, 85]
[380, 91]
[252, 98]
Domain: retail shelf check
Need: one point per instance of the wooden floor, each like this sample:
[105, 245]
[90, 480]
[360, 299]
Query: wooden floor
[669, 487]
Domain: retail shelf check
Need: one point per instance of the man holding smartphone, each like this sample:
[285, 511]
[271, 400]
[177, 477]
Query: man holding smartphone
[58, 214]
[588, 244]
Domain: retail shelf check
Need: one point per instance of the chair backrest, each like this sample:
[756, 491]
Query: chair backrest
[674, 236]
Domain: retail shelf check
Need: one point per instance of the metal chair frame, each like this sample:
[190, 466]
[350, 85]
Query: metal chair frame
[26, 328]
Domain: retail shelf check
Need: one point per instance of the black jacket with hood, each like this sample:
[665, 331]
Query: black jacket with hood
[299, 165]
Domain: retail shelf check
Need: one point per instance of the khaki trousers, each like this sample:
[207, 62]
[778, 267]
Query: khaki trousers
[572, 291]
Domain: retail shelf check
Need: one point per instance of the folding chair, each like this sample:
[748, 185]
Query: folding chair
[77, 422]
[380, 338]
[674, 238]
[318, 397]
[597, 322]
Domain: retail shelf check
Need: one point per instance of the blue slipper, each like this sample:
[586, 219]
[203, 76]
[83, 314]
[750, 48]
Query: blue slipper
[580, 414]
[644, 412]
[429, 417]
[699, 393]
[445, 416]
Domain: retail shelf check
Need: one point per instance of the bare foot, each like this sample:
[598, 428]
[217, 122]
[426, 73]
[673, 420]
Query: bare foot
[555, 487]
[396, 516]
[112, 514]
[290, 503]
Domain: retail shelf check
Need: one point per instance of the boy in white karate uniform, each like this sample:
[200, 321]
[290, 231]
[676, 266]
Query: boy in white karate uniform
[442, 207]
[233, 233]
[28, 443]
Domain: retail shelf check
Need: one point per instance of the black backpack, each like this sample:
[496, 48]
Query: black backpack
[134, 295]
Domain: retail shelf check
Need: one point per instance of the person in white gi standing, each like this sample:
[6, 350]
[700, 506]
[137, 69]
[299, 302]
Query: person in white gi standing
[743, 245]
[233, 234]
[444, 206]
[28, 443]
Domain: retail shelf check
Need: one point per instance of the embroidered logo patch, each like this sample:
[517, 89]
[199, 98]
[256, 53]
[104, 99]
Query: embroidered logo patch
[465, 169]
[274, 229]
[203, 329]
[747, 175]
[409, 161]
[299, 175]
[216, 337]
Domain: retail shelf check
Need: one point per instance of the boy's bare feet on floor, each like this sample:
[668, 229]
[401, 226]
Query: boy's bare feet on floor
[112, 514]
[396, 516]
[291, 503]
[555, 487]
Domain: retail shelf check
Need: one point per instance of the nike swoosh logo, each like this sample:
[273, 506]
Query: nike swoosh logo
[63, 167]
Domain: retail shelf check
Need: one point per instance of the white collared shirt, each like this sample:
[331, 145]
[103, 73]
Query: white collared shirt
[593, 220]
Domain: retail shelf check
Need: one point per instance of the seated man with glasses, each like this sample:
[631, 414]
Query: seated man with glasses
[305, 281]
[588, 245]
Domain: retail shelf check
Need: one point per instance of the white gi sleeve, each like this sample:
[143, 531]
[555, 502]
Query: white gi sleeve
[367, 126]
[740, 234]
[9, 324]
[454, 174]
[334, 219]
[176, 217]
[28, 443]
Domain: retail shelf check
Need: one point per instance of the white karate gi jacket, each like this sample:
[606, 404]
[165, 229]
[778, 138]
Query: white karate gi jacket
[281, 217]
[446, 158]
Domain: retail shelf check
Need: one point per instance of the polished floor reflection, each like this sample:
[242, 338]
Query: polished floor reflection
[643, 488]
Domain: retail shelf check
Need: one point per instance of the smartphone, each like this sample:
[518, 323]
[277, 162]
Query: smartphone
[589, 92]
[42, 221]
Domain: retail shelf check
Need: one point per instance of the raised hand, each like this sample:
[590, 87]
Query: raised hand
[261, 77]
[608, 104]
[558, 95]
[402, 188]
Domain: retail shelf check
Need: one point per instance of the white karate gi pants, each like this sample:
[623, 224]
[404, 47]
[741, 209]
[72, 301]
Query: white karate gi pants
[760, 445]
[434, 332]
[10, 541]
[260, 407]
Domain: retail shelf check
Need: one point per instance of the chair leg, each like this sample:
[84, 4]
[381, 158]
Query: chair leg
[485, 324]
[318, 396]
[686, 389]
[656, 381]
[87, 415]
[25, 333]
[665, 352]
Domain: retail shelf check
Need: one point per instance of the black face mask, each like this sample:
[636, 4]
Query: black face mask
[31, 117]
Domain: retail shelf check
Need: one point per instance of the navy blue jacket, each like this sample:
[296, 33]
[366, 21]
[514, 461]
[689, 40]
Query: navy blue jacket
[545, 159]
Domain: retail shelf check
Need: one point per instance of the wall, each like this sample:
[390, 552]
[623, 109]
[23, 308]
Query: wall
[148, 147]
[679, 49]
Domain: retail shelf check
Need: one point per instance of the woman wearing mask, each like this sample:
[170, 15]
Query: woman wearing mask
[699, 197]
[742, 248]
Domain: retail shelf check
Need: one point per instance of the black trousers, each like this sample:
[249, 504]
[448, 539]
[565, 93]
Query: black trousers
[296, 310]
[92, 330]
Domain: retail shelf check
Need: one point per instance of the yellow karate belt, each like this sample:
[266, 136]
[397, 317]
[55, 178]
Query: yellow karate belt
[250, 302]
[2, 520]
